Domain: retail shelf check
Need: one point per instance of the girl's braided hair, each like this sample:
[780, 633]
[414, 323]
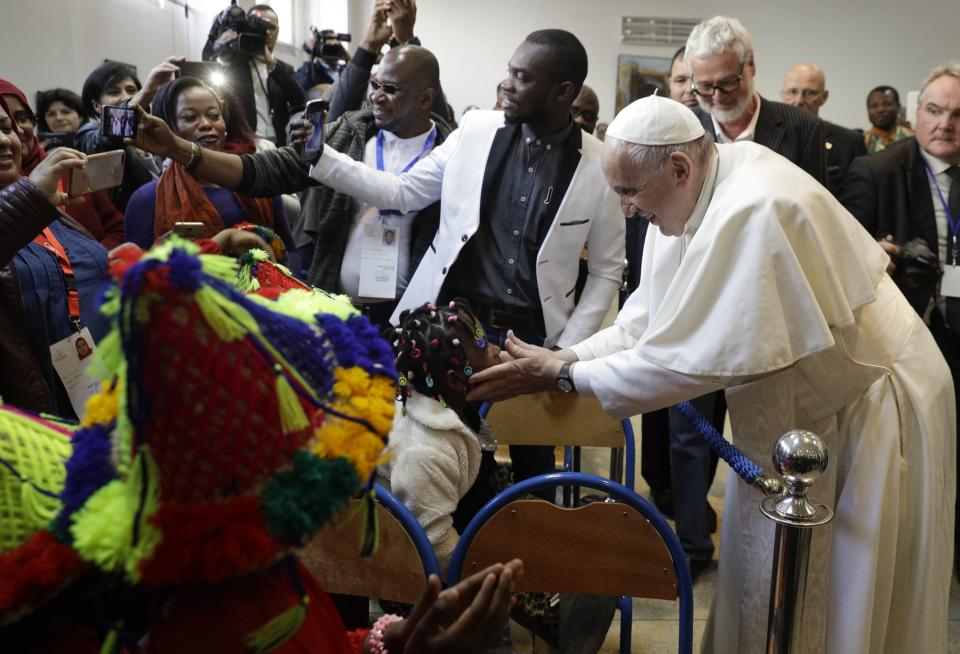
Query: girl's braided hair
[430, 341]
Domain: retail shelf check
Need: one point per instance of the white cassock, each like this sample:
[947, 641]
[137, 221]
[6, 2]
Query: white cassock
[775, 293]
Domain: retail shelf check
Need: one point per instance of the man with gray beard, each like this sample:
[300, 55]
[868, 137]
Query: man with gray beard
[719, 57]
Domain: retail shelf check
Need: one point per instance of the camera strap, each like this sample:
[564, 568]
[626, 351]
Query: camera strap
[426, 148]
[953, 223]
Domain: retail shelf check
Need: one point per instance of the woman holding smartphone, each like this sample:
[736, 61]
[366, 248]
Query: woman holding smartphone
[51, 272]
[195, 112]
[96, 213]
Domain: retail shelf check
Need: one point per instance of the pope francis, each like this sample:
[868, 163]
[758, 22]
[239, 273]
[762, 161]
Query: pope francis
[760, 283]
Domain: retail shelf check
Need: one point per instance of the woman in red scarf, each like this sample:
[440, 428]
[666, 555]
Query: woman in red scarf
[195, 112]
[97, 214]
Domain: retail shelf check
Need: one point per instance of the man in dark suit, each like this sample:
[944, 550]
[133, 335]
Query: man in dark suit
[804, 86]
[732, 110]
[911, 190]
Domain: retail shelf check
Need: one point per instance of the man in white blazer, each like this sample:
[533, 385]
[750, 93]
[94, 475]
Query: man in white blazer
[521, 191]
[468, 173]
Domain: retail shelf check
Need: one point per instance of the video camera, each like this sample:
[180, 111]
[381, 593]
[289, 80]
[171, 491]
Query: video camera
[323, 50]
[251, 32]
[918, 273]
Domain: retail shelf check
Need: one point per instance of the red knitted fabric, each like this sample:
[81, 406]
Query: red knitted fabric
[35, 571]
[271, 277]
[199, 384]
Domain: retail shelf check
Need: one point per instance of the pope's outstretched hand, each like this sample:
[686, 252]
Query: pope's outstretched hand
[531, 370]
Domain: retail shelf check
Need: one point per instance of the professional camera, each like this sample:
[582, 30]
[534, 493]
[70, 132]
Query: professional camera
[251, 32]
[917, 274]
[327, 44]
[51, 140]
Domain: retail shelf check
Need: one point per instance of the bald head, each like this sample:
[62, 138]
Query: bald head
[416, 64]
[406, 85]
[805, 86]
[586, 109]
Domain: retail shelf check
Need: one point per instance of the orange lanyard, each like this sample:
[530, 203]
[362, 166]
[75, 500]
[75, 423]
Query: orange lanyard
[47, 239]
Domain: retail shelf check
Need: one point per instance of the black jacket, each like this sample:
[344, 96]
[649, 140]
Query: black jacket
[889, 193]
[283, 93]
[790, 132]
[843, 146]
[331, 212]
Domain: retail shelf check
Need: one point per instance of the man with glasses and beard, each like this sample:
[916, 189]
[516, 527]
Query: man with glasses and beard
[719, 56]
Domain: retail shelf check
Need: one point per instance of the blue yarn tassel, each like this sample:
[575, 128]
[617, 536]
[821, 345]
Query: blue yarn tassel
[747, 469]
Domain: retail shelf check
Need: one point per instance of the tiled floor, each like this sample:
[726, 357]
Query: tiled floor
[655, 622]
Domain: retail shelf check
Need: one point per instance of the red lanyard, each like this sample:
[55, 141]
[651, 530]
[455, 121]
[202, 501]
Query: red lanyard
[47, 239]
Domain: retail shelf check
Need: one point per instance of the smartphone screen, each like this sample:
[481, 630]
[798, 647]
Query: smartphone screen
[119, 122]
[316, 114]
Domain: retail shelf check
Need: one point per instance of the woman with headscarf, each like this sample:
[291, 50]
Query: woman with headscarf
[96, 213]
[195, 112]
[51, 271]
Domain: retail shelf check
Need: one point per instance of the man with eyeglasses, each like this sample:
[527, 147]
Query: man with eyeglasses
[720, 58]
[392, 134]
[804, 86]
[911, 190]
[586, 109]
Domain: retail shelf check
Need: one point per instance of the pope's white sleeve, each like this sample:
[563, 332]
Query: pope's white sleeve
[606, 341]
[411, 191]
[627, 384]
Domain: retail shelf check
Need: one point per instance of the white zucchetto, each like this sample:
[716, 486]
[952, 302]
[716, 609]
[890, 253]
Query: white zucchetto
[656, 120]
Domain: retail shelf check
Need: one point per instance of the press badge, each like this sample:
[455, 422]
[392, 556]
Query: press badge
[71, 357]
[378, 261]
[950, 282]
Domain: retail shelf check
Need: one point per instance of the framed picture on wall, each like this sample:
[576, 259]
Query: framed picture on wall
[639, 76]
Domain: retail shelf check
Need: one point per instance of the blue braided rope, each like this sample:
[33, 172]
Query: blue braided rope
[747, 469]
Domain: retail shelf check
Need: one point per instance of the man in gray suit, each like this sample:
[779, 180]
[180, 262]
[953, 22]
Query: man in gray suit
[720, 58]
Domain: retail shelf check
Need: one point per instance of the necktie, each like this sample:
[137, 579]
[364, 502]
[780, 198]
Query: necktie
[953, 201]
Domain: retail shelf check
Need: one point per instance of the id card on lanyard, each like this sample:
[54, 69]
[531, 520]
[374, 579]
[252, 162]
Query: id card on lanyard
[950, 281]
[380, 249]
[70, 356]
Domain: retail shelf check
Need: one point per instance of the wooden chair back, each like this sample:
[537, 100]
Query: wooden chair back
[552, 418]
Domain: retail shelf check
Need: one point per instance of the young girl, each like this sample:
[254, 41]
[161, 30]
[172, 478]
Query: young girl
[441, 467]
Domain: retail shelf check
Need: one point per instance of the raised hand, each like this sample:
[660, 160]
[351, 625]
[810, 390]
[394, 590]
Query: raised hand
[378, 31]
[154, 135]
[461, 619]
[403, 16]
[46, 176]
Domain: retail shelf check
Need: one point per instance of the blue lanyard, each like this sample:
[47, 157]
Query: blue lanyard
[953, 225]
[426, 148]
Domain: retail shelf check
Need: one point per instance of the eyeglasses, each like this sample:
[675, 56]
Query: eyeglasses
[724, 86]
[586, 114]
[807, 94]
[387, 87]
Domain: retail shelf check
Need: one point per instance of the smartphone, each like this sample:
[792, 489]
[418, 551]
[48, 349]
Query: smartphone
[191, 231]
[104, 170]
[119, 122]
[316, 113]
[208, 71]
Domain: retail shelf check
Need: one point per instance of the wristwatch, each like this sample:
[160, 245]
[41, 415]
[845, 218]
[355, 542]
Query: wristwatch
[564, 380]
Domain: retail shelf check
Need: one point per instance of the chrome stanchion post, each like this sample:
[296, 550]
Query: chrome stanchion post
[800, 457]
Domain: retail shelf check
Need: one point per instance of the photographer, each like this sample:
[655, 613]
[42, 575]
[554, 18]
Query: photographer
[351, 90]
[323, 53]
[266, 86]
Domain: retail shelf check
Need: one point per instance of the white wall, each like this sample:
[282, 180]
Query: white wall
[859, 43]
[49, 43]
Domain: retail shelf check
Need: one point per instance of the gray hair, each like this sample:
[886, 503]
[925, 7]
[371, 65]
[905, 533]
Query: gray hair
[715, 36]
[951, 68]
[655, 157]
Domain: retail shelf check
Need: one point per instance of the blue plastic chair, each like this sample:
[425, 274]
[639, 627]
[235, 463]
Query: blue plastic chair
[626, 558]
[399, 569]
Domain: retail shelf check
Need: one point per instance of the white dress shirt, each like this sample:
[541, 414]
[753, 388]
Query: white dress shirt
[397, 154]
[745, 135]
[259, 72]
